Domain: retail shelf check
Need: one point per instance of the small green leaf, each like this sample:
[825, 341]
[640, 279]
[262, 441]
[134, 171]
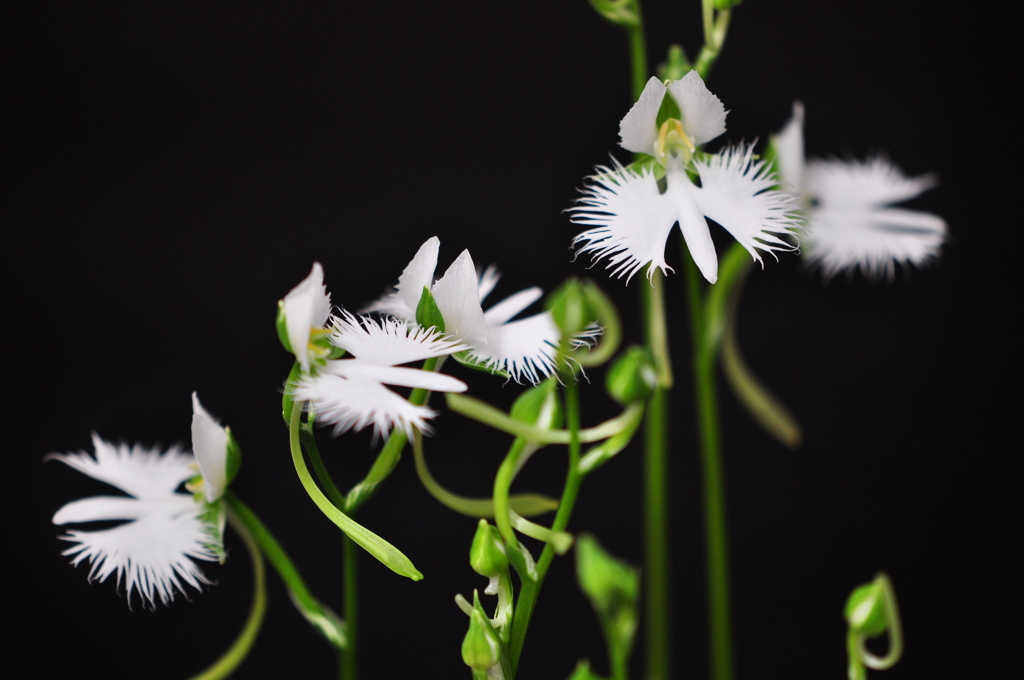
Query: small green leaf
[583, 672]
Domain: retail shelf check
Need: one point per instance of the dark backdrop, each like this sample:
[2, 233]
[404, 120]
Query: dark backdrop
[173, 170]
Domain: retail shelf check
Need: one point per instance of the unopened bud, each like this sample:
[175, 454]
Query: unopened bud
[865, 610]
[487, 554]
[481, 648]
[632, 376]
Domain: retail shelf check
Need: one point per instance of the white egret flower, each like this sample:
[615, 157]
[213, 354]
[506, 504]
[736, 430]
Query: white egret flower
[524, 348]
[306, 309]
[350, 394]
[632, 217]
[210, 442]
[152, 553]
[850, 221]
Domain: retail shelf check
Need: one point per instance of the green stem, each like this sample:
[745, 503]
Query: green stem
[638, 52]
[330, 488]
[502, 483]
[325, 621]
[570, 491]
[716, 545]
[227, 663]
[657, 598]
[349, 658]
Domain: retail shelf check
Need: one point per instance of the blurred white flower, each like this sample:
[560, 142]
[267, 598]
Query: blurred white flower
[850, 223]
[152, 552]
[632, 216]
[210, 442]
[349, 393]
[524, 348]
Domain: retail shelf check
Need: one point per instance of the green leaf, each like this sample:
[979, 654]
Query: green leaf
[583, 672]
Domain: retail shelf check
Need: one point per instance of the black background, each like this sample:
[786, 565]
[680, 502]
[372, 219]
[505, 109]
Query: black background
[173, 170]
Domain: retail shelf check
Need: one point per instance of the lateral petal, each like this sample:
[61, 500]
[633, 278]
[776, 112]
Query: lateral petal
[703, 113]
[416, 276]
[524, 349]
[210, 446]
[874, 182]
[639, 129]
[631, 220]
[458, 297]
[396, 375]
[148, 474]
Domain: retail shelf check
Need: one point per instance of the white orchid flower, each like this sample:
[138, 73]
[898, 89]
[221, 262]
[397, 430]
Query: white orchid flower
[210, 444]
[524, 348]
[349, 393]
[632, 218]
[850, 223]
[306, 309]
[152, 553]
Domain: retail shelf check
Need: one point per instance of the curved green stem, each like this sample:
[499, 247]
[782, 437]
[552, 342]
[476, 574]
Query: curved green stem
[227, 663]
[316, 613]
[388, 554]
[570, 491]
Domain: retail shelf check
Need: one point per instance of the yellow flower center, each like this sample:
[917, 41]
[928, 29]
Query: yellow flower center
[673, 143]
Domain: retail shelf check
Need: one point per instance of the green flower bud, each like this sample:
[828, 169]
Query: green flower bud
[428, 314]
[865, 610]
[611, 584]
[569, 308]
[721, 5]
[632, 376]
[676, 66]
[539, 406]
[481, 648]
[487, 554]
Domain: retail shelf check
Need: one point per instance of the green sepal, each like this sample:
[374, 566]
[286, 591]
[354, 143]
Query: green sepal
[632, 376]
[865, 610]
[619, 12]
[234, 459]
[214, 518]
[428, 315]
[282, 328]
[539, 406]
[583, 672]
[487, 553]
[676, 65]
[466, 358]
[481, 648]
[669, 109]
[722, 5]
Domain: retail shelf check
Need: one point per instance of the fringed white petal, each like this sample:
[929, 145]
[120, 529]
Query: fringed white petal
[357, 402]
[874, 240]
[789, 149]
[306, 306]
[851, 227]
[388, 341]
[736, 192]
[639, 129]
[488, 280]
[457, 295]
[419, 274]
[525, 349]
[210, 446]
[151, 553]
[512, 305]
[874, 182]
[703, 113]
[630, 220]
[396, 375]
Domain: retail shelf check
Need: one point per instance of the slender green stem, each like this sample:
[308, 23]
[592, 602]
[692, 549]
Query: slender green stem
[322, 475]
[227, 663]
[638, 52]
[657, 599]
[348, 660]
[502, 483]
[570, 491]
[708, 427]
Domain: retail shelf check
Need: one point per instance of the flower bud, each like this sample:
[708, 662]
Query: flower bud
[610, 583]
[632, 376]
[721, 5]
[569, 308]
[487, 554]
[865, 610]
[481, 648]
